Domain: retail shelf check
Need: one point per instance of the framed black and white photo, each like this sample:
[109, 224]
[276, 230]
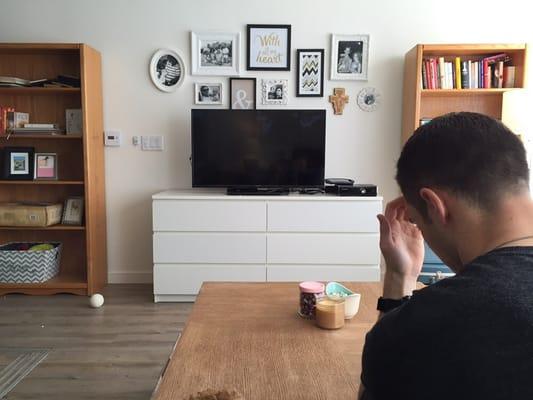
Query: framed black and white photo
[349, 57]
[73, 211]
[215, 53]
[275, 91]
[45, 166]
[269, 48]
[310, 73]
[208, 93]
[18, 163]
[242, 93]
[167, 70]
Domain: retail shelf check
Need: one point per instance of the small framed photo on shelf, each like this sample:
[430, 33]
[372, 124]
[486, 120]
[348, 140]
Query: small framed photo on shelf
[275, 91]
[45, 166]
[349, 57]
[310, 73]
[18, 163]
[242, 93]
[73, 211]
[73, 121]
[215, 53]
[269, 48]
[208, 93]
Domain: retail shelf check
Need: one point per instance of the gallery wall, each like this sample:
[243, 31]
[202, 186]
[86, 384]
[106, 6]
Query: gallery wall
[360, 144]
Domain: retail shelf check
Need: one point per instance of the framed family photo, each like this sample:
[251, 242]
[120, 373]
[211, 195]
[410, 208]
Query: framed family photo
[45, 166]
[242, 93]
[349, 57]
[18, 163]
[310, 73]
[167, 70]
[208, 93]
[73, 211]
[269, 48]
[215, 53]
[275, 91]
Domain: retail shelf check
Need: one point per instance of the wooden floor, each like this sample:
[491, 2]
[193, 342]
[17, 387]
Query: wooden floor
[116, 352]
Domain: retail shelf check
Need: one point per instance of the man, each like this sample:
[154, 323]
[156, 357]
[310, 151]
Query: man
[464, 179]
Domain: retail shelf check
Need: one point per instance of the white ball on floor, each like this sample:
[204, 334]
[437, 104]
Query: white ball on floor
[96, 300]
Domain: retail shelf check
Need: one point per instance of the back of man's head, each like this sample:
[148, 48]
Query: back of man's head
[471, 155]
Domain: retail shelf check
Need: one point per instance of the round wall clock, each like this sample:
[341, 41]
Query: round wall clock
[368, 99]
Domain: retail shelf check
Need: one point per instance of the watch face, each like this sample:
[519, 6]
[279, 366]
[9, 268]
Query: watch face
[368, 99]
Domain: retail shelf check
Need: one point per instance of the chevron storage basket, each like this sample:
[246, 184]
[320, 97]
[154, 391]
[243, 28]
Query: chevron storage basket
[23, 266]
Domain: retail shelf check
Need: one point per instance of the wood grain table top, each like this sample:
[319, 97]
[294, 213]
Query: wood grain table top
[248, 337]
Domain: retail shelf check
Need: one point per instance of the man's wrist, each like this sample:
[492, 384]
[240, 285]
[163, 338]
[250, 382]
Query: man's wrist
[397, 286]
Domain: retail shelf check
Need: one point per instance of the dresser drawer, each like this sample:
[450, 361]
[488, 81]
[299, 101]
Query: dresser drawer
[313, 248]
[323, 216]
[207, 248]
[324, 273]
[209, 215]
[187, 279]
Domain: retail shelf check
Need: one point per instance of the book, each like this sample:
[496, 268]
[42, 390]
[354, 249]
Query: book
[70, 80]
[74, 121]
[16, 119]
[40, 126]
[424, 77]
[508, 76]
[441, 73]
[3, 118]
[39, 82]
[458, 73]
[11, 80]
[465, 75]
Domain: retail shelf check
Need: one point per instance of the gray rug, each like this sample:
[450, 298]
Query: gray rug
[16, 364]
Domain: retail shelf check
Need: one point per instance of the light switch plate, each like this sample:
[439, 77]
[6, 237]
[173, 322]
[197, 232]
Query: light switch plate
[112, 138]
[152, 143]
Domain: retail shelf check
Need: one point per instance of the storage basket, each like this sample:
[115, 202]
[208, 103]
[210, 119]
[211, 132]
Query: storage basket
[19, 266]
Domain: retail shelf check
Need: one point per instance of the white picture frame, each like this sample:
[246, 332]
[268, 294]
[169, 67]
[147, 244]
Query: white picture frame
[349, 57]
[208, 93]
[73, 211]
[167, 70]
[211, 55]
[45, 167]
[275, 91]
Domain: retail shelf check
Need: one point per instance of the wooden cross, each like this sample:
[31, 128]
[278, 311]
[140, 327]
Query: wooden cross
[339, 100]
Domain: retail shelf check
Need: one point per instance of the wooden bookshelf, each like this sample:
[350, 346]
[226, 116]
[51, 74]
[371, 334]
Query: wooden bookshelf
[83, 269]
[421, 103]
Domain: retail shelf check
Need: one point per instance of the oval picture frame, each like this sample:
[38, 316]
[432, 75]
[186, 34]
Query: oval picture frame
[167, 70]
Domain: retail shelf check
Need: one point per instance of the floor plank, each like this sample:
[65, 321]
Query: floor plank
[116, 352]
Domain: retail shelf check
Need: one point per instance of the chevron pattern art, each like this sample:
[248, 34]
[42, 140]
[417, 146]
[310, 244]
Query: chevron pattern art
[29, 266]
[310, 73]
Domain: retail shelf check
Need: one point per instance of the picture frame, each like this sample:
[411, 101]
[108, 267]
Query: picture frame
[310, 73]
[167, 70]
[242, 93]
[209, 93]
[274, 91]
[215, 53]
[73, 211]
[268, 47]
[18, 163]
[349, 57]
[45, 167]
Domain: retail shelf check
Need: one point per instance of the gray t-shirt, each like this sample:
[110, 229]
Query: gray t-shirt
[466, 337]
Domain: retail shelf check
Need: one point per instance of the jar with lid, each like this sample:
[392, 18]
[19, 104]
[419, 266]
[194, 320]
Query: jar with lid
[330, 313]
[309, 293]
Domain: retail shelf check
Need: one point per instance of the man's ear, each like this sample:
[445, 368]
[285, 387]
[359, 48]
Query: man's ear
[435, 205]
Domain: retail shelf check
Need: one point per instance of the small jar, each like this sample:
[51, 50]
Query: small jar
[309, 293]
[330, 313]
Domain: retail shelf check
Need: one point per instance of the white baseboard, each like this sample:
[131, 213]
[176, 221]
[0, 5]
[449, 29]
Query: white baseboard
[130, 277]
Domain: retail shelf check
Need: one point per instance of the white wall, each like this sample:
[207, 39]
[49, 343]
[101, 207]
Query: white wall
[360, 145]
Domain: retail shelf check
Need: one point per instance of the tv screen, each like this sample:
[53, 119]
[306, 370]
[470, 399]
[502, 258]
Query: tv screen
[258, 148]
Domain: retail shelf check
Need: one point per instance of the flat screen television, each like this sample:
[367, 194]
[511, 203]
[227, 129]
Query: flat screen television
[258, 148]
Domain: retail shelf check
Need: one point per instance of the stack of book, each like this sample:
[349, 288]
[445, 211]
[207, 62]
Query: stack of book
[66, 81]
[14, 122]
[485, 73]
[37, 129]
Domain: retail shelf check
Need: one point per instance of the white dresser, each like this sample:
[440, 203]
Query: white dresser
[209, 236]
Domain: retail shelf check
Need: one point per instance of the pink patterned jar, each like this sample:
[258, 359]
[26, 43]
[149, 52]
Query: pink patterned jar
[309, 293]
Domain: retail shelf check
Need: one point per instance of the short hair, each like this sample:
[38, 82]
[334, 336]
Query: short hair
[472, 155]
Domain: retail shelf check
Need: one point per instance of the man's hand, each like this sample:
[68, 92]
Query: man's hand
[402, 246]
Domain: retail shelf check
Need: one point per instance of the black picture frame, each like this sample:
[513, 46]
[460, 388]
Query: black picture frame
[249, 29]
[231, 80]
[299, 77]
[10, 174]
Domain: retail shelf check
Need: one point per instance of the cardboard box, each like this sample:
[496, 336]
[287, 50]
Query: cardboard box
[30, 214]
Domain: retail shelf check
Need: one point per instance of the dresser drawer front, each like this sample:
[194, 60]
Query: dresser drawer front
[209, 248]
[311, 248]
[206, 216]
[324, 273]
[323, 216]
[187, 279]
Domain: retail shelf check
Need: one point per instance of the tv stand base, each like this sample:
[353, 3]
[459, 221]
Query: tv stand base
[255, 191]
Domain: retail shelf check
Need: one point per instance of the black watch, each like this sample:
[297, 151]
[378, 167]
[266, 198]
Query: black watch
[385, 305]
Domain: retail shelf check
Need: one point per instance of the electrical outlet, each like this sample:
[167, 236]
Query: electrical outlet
[152, 143]
[112, 138]
[135, 140]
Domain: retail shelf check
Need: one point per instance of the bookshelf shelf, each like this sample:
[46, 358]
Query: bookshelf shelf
[43, 182]
[41, 137]
[65, 282]
[44, 228]
[421, 103]
[37, 90]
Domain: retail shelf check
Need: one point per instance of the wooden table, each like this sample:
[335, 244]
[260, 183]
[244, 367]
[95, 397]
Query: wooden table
[248, 337]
